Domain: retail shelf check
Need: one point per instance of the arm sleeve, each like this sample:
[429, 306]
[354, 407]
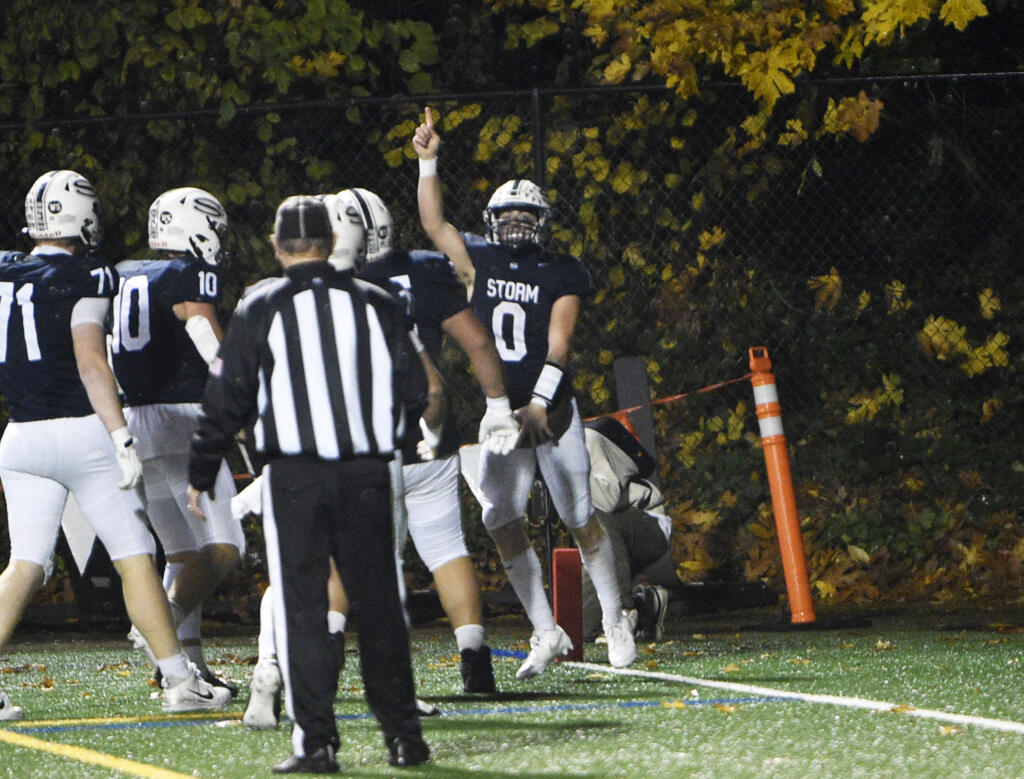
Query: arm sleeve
[229, 400]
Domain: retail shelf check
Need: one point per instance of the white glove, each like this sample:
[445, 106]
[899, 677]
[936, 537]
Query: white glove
[249, 500]
[427, 448]
[499, 430]
[127, 458]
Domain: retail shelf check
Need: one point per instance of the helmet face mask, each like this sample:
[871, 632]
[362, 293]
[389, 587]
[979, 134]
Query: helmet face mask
[62, 205]
[518, 215]
[188, 220]
[362, 225]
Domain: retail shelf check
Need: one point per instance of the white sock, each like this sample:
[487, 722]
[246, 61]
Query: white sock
[194, 652]
[189, 625]
[335, 622]
[525, 576]
[600, 565]
[265, 642]
[174, 669]
[171, 571]
[470, 637]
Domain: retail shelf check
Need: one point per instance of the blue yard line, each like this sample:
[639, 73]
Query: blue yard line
[477, 712]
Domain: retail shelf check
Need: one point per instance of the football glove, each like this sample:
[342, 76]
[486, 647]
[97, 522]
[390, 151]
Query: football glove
[127, 458]
[499, 430]
[249, 500]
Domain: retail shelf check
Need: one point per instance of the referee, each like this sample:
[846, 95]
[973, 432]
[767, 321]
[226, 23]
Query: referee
[323, 362]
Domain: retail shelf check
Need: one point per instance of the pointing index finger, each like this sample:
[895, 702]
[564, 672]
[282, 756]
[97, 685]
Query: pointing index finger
[429, 120]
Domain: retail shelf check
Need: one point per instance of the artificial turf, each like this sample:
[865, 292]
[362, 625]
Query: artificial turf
[714, 705]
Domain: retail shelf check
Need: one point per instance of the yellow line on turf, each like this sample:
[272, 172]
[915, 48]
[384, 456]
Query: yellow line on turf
[83, 755]
[63, 723]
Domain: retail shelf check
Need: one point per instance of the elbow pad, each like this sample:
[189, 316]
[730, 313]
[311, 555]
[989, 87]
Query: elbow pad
[201, 332]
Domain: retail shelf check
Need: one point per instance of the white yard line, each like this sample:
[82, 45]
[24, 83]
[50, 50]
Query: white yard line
[1008, 726]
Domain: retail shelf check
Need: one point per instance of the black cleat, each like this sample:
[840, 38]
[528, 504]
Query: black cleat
[320, 761]
[216, 681]
[406, 752]
[651, 603]
[477, 670]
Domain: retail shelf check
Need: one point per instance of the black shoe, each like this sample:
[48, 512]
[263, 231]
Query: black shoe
[408, 751]
[477, 671]
[651, 603]
[320, 761]
[216, 681]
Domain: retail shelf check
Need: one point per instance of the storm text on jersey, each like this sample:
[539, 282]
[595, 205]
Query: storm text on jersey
[518, 291]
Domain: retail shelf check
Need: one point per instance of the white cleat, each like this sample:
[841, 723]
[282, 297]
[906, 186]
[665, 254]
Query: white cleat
[195, 694]
[264, 707]
[544, 648]
[8, 711]
[621, 644]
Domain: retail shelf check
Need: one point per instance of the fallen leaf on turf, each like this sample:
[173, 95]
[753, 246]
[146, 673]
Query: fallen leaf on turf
[650, 665]
[731, 668]
[673, 705]
[800, 660]
[728, 708]
[883, 645]
[949, 730]
[902, 708]
[598, 676]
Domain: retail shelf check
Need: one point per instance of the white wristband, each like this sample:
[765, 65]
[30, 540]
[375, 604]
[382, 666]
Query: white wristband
[121, 438]
[500, 404]
[547, 383]
[428, 168]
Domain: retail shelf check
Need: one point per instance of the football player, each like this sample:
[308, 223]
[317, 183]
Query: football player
[67, 431]
[429, 495]
[530, 298]
[437, 304]
[165, 334]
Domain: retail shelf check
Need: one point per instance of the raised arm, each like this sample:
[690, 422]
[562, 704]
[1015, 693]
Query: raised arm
[426, 142]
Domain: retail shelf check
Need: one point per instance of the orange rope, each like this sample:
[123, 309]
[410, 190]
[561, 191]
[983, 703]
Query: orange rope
[622, 412]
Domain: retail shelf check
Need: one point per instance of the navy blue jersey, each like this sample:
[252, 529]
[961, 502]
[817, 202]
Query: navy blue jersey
[154, 358]
[432, 293]
[513, 294]
[38, 372]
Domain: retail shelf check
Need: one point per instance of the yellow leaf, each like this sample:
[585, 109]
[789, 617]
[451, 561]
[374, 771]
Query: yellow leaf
[731, 669]
[959, 13]
[902, 708]
[989, 303]
[727, 708]
[618, 69]
[828, 289]
[858, 554]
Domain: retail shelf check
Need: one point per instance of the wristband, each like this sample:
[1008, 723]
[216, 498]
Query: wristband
[499, 404]
[121, 438]
[547, 383]
[428, 168]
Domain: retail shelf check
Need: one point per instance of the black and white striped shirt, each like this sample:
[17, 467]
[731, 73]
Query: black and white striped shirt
[323, 364]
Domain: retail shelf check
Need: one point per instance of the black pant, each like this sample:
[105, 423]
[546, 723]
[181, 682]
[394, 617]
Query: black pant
[320, 509]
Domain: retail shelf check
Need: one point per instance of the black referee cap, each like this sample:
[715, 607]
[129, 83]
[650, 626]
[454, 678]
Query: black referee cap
[302, 216]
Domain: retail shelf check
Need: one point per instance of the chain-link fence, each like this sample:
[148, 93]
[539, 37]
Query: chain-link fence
[879, 274]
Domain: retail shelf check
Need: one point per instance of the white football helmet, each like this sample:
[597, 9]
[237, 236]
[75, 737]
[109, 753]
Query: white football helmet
[516, 232]
[62, 205]
[188, 220]
[359, 210]
[349, 234]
